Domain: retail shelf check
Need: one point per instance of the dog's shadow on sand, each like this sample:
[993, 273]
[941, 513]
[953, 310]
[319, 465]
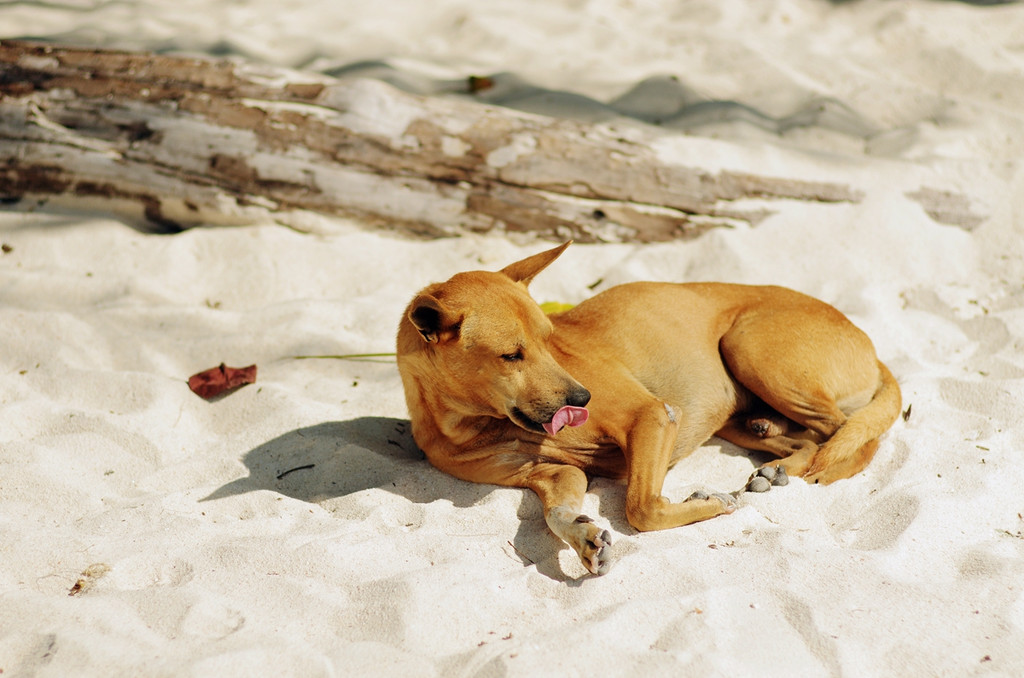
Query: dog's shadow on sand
[336, 459]
[339, 458]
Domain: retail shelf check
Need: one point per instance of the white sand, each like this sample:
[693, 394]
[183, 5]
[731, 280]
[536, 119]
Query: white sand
[195, 559]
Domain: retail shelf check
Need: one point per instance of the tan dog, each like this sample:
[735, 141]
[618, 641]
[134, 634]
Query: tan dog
[490, 379]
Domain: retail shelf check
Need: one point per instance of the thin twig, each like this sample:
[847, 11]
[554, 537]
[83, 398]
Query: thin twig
[297, 468]
[349, 356]
[521, 554]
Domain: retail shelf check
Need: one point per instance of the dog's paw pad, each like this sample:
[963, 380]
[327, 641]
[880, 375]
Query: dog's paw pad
[781, 477]
[599, 559]
[761, 428]
[758, 484]
[766, 477]
[600, 540]
[602, 563]
[728, 501]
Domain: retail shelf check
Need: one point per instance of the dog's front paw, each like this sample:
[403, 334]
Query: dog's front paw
[728, 501]
[593, 545]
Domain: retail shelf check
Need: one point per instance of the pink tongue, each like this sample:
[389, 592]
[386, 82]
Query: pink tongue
[567, 416]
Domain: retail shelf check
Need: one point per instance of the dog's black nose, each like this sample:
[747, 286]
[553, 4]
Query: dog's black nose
[578, 397]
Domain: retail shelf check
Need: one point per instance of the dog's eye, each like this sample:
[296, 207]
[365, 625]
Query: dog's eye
[513, 357]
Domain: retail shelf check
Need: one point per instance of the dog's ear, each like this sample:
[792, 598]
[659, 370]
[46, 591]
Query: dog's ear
[430, 317]
[524, 271]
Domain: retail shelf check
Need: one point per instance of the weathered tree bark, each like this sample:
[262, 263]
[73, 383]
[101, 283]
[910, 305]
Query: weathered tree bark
[184, 141]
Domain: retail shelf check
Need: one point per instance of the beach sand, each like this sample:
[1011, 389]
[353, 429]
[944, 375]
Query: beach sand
[293, 528]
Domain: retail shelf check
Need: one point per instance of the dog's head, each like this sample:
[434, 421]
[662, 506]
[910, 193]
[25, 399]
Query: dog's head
[478, 345]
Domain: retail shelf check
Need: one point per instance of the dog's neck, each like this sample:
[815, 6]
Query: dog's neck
[440, 423]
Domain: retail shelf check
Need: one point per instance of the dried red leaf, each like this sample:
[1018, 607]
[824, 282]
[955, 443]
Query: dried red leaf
[480, 83]
[215, 381]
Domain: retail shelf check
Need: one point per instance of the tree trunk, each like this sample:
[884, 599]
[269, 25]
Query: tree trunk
[182, 141]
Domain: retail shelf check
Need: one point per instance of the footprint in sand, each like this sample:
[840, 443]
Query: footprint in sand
[143, 573]
[210, 619]
[26, 654]
[877, 526]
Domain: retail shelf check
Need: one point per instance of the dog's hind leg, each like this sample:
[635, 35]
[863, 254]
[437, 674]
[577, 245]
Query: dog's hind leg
[795, 451]
[811, 365]
[561, 489]
[802, 360]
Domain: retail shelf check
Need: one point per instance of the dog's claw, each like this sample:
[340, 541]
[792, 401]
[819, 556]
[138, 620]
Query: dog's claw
[591, 543]
[601, 561]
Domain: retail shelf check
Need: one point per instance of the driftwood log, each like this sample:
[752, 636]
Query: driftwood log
[183, 141]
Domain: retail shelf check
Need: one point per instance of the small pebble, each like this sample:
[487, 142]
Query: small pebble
[759, 484]
[768, 472]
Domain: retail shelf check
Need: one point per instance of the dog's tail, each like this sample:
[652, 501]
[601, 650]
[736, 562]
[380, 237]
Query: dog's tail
[853, 445]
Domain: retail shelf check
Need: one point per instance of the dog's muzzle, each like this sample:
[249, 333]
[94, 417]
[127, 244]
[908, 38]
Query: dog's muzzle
[572, 413]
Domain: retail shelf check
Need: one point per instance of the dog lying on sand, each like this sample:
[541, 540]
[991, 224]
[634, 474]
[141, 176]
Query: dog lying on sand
[628, 382]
